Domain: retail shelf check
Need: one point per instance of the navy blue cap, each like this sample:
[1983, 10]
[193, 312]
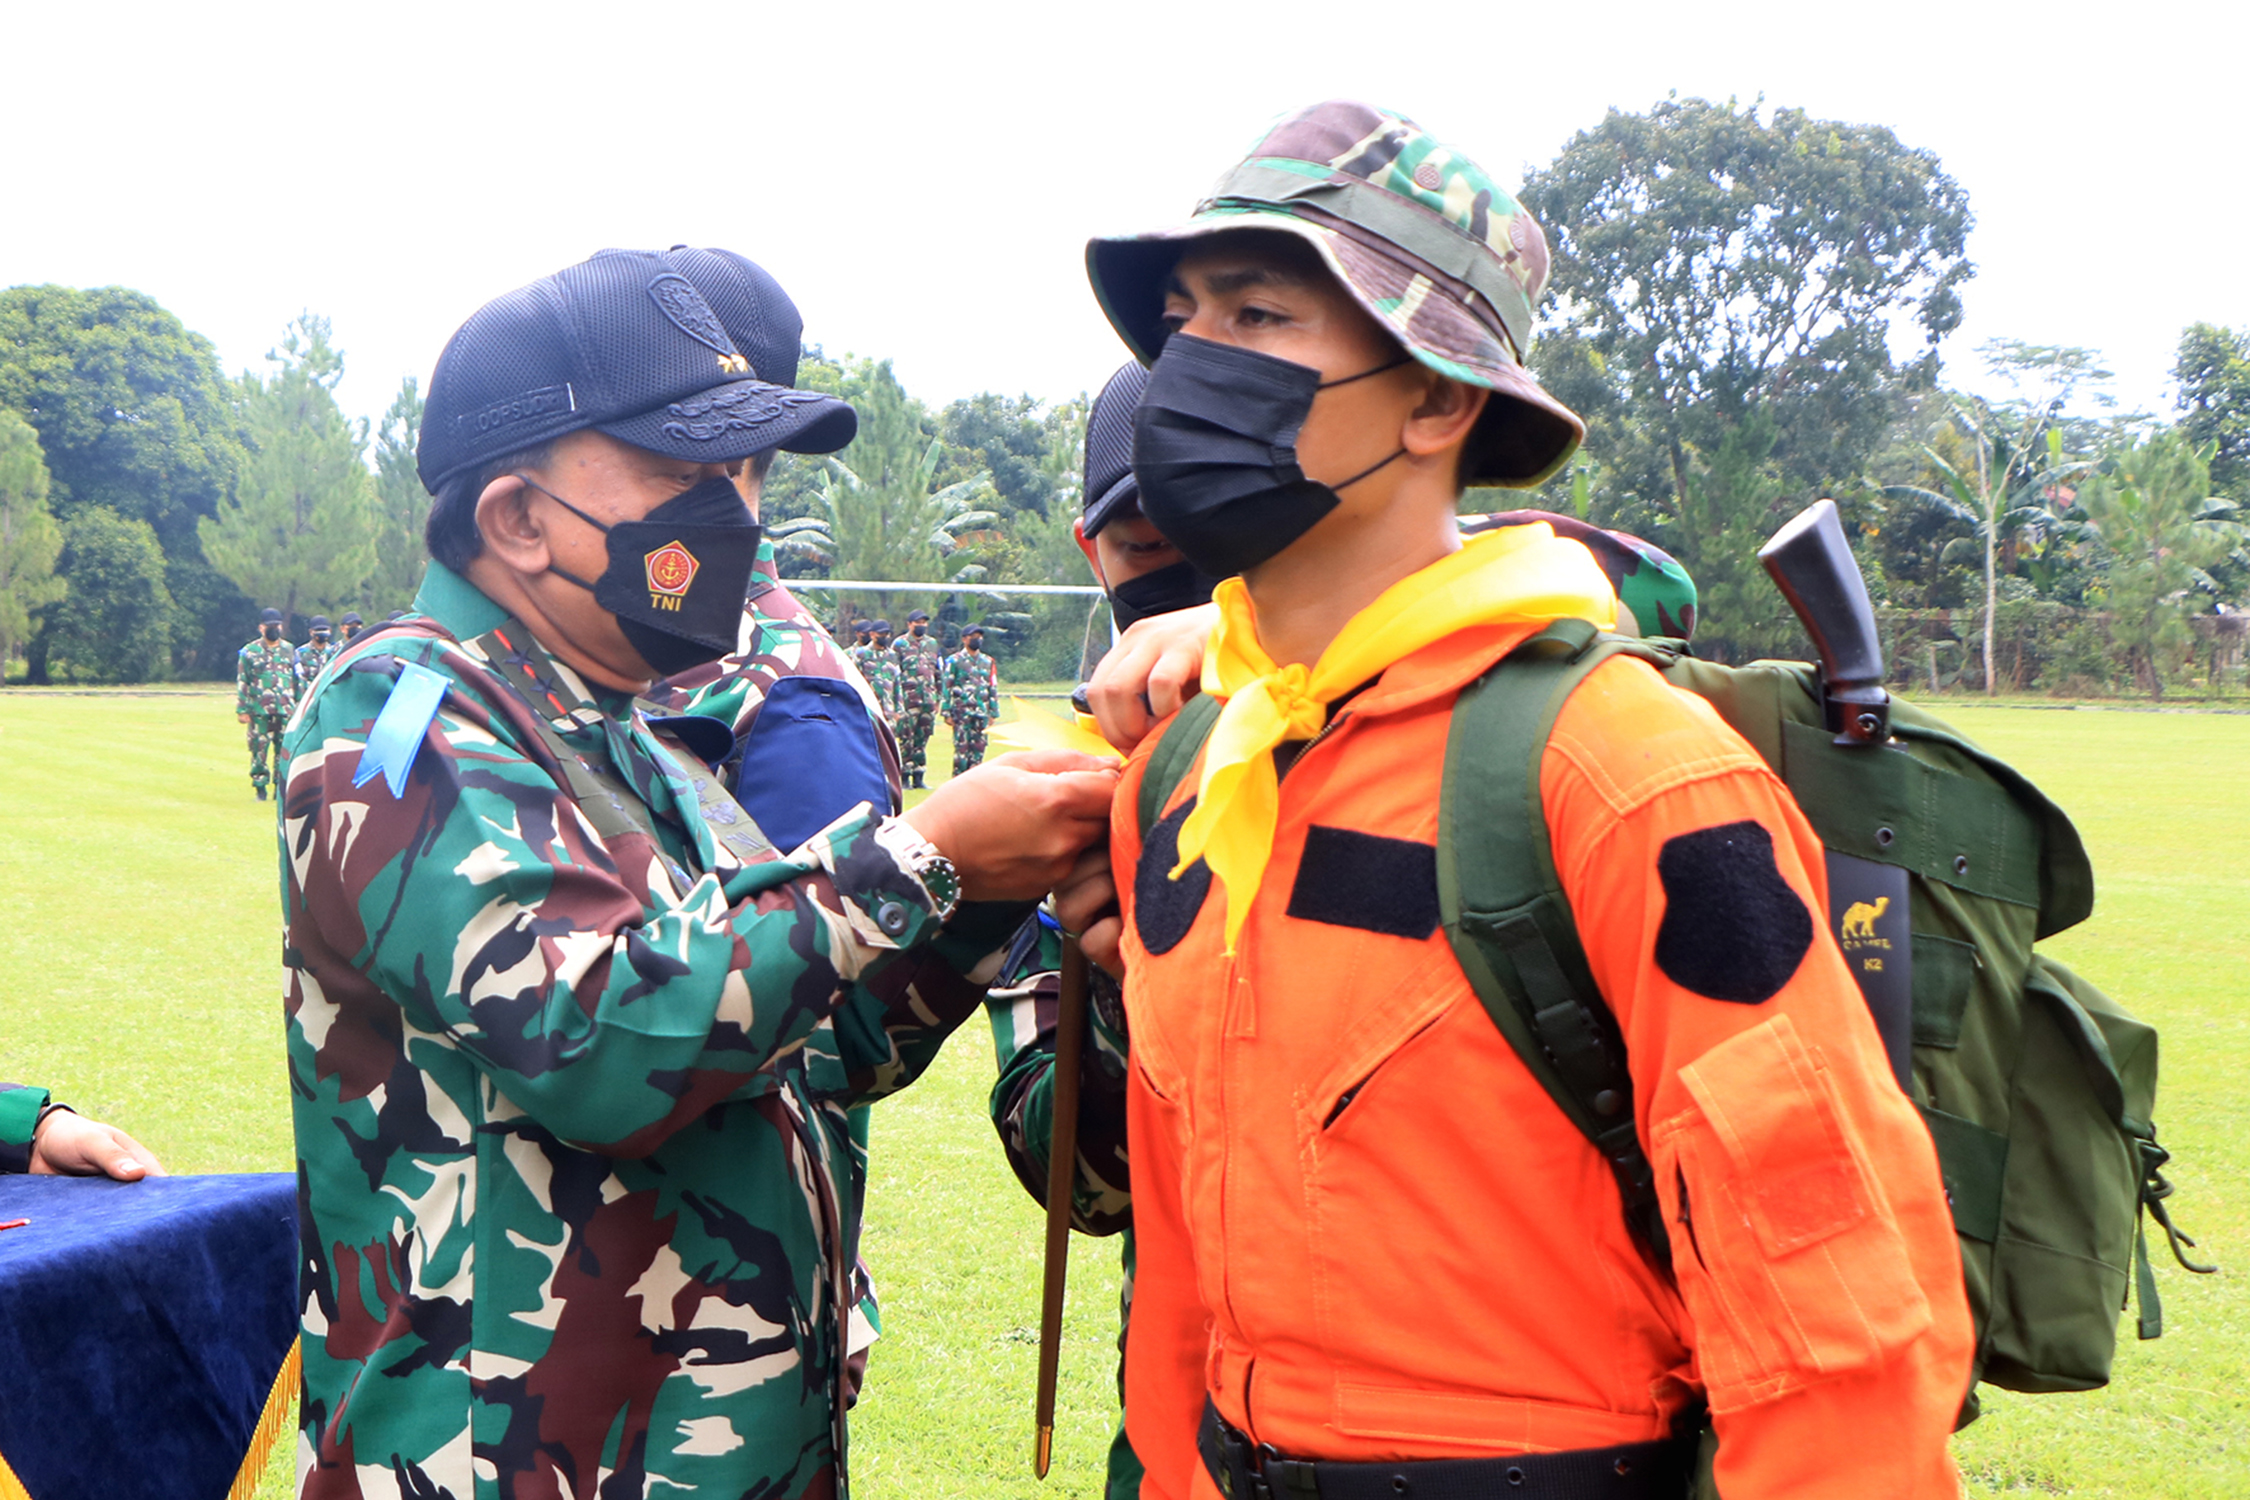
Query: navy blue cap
[1111, 489]
[269, 617]
[320, 622]
[879, 625]
[920, 614]
[626, 343]
[353, 619]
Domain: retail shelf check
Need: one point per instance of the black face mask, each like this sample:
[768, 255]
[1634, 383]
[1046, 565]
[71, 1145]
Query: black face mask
[1215, 451]
[1181, 585]
[677, 578]
[270, 632]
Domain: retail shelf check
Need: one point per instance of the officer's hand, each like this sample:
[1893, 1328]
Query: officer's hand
[1014, 826]
[67, 1144]
[1086, 903]
[1156, 666]
[241, 718]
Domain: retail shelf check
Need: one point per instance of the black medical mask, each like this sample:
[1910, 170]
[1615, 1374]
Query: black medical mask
[678, 577]
[1181, 585]
[1215, 452]
[270, 632]
[917, 627]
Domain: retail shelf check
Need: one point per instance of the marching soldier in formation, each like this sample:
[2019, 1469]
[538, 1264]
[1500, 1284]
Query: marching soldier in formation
[314, 653]
[919, 691]
[969, 690]
[265, 690]
[352, 625]
[541, 962]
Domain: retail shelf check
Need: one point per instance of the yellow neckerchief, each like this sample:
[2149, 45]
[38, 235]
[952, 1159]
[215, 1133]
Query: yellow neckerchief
[1515, 575]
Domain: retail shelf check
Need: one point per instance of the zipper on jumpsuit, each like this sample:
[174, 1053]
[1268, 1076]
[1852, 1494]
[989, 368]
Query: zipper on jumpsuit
[1235, 985]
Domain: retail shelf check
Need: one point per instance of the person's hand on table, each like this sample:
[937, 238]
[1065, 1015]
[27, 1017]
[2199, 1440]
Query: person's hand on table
[70, 1145]
[1156, 666]
[1015, 825]
[1086, 904]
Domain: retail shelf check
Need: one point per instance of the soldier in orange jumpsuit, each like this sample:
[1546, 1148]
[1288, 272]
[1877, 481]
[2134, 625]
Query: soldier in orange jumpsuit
[1375, 1257]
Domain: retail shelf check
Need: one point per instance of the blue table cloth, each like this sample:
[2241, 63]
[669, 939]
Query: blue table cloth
[141, 1328]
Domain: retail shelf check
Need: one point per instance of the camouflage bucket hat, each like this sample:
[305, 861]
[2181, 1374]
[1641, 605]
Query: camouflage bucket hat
[1435, 250]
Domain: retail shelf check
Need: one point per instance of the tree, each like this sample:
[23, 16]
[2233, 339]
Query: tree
[119, 624]
[402, 506]
[2153, 508]
[299, 534]
[882, 513]
[133, 414]
[30, 541]
[2213, 371]
[1708, 262]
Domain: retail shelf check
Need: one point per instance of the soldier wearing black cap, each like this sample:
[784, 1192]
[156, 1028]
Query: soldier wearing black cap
[920, 693]
[265, 690]
[577, 1041]
[314, 653]
[353, 625]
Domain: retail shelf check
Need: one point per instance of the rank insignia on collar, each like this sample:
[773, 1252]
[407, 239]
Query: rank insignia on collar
[671, 569]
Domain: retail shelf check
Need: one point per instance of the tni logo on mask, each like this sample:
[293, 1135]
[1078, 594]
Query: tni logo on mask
[671, 569]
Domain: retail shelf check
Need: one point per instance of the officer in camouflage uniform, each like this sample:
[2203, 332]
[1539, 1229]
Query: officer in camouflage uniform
[314, 653]
[353, 625]
[920, 692]
[970, 692]
[265, 690]
[880, 667]
[572, 1045]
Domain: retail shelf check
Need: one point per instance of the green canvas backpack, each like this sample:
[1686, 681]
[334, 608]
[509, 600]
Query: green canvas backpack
[1946, 865]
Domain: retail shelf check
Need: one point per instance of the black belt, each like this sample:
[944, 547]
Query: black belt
[1244, 1470]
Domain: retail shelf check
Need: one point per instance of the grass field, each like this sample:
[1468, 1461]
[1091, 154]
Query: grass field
[138, 977]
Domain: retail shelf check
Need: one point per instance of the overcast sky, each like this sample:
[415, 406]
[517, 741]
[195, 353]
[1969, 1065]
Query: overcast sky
[922, 179]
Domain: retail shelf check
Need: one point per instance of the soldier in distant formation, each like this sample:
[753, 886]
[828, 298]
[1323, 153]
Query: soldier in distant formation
[919, 657]
[265, 690]
[353, 625]
[880, 668]
[969, 690]
[314, 653]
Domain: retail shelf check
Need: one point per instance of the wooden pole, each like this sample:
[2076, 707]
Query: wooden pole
[1062, 1173]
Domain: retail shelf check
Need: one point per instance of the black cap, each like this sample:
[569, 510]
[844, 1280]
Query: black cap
[352, 620]
[969, 630]
[627, 344]
[920, 614]
[269, 617]
[879, 625]
[320, 622]
[1110, 487]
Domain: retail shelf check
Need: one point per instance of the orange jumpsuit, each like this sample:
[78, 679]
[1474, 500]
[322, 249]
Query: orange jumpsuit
[1365, 1231]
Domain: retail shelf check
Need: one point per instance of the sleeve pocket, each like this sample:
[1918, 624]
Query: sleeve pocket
[1789, 1258]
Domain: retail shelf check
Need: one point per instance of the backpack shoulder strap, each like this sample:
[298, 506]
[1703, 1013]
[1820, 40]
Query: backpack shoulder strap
[1504, 911]
[1168, 763]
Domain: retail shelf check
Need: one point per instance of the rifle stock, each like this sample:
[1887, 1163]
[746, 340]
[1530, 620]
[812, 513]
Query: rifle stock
[1812, 565]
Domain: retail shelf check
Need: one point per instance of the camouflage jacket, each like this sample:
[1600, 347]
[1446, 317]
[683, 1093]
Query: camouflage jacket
[970, 686]
[20, 1112]
[919, 657]
[880, 668]
[578, 1198]
[311, 657]
[265, 677]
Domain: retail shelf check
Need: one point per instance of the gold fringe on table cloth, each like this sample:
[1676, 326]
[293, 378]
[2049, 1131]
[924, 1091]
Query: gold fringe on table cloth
[273, 1422]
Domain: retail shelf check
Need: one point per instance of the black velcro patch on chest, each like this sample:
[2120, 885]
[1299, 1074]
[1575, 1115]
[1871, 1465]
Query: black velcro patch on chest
[1732, 929]
[1164, 909]
[1363, 880]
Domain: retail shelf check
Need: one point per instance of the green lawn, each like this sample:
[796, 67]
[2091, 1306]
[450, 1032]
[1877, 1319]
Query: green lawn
[167, 1023]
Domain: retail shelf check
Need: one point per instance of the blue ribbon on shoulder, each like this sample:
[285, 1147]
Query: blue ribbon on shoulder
[399, 728]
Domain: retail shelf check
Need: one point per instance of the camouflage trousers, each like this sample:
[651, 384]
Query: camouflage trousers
[914, 726]
[968, 741]
[265, 740]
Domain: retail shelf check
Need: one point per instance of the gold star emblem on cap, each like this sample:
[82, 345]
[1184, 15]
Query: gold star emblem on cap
[734, 364]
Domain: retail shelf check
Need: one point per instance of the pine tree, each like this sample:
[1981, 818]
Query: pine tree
[299, 534]
[402, 506]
